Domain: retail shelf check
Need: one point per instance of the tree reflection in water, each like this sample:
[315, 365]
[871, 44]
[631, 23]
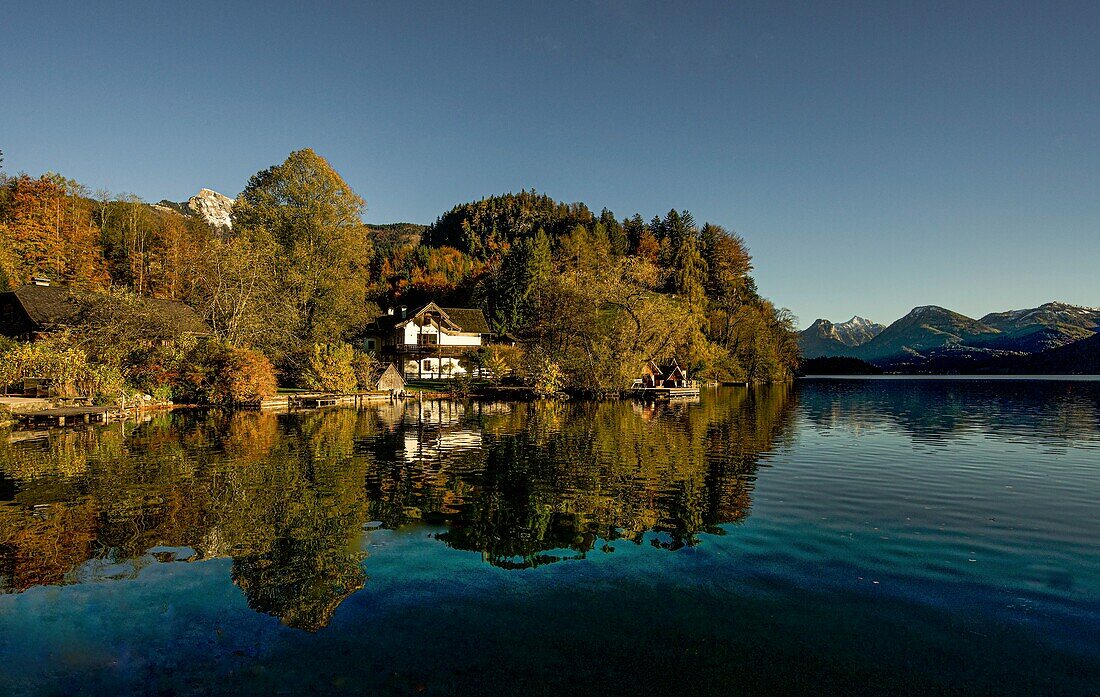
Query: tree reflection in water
[287, 496]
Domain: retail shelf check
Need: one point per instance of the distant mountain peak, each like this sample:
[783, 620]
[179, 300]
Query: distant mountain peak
[921, 310]
[216, 209]
[824, 338]
[858, 321]
[1059, 305]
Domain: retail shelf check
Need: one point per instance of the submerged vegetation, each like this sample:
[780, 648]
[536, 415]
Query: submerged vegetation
[299, 276]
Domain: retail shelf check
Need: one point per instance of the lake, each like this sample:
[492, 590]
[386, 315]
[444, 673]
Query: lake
[828, 537]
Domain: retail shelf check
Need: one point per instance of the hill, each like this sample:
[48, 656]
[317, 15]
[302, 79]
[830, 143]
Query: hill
[1079, 358]
[1045, 327]
[925, 330]
[482, 228]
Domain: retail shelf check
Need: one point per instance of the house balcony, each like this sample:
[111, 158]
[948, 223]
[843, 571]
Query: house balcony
[429, 350]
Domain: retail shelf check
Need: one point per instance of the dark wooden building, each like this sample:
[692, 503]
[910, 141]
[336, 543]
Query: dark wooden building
[38, 309]
[665, 373]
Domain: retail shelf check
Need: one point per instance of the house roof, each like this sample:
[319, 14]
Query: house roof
[51, 307]
[177, 316]
[466, 319]
[381, 370]
[664, 368]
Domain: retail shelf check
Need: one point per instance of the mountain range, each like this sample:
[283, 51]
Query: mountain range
[932, 338]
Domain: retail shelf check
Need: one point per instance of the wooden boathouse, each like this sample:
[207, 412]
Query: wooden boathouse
[664, 379]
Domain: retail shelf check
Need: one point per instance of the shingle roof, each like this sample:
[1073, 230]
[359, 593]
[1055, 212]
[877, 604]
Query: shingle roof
[53, 307]
[468, 319]
[177, 316]
[50, 306]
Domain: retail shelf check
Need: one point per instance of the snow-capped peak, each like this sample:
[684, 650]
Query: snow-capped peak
[857, 321]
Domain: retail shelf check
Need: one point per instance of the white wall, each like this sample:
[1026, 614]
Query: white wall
[434, 368]
[412, 330]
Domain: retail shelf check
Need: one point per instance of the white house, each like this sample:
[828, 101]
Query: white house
[430, 343]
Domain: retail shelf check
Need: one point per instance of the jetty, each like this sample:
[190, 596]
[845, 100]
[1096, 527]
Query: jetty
[62, 416]
[689, 389]
[317, 400]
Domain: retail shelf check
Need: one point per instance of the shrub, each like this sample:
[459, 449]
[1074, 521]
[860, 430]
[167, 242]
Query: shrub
[501, 362]
[462, 385]
[214, 372]
[364, 365]
[66, 367]
[328, 367]
[544, 374]
[157, 370]
[249, 377]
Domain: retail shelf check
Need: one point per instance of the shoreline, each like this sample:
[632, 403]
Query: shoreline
[962, 377]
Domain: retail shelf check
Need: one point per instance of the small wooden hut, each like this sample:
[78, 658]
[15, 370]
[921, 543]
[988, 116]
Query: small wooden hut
[664, 378]
[387, 378]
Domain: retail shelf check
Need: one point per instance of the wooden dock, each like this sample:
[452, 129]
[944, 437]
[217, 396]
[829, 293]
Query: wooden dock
[65, 416]
[666, 392]
[317, 400]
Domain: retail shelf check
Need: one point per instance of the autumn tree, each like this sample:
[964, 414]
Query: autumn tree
[46, 229]
[322, 266]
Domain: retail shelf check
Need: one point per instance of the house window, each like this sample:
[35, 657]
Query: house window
[370, 344]
[427, 339]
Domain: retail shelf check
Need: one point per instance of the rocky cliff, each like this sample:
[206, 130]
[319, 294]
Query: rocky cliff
[216, 209]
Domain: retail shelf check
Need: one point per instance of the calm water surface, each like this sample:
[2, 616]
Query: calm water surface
[834, 537]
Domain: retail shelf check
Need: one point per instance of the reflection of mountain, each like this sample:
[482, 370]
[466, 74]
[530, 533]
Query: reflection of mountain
[286, 497]
[935, 410]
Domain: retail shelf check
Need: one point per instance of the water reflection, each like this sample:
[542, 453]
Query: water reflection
[287, 497]
[935, 411]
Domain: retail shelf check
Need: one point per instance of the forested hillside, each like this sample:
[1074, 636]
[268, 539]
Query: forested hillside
[589, 296]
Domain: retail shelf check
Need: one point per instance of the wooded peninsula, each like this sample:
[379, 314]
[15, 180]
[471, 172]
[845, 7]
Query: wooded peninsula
[178, 307]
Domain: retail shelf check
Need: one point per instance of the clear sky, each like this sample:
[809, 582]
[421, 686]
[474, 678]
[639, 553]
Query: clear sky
[875, 156]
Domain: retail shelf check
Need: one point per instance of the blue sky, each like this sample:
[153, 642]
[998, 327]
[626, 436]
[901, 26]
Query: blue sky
[875, 156]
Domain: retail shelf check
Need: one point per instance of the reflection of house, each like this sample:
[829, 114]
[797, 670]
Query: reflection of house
[38, 309]
[433, 342]
[436, 431]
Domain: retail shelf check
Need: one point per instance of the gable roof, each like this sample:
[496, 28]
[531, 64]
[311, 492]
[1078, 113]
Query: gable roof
[382, 370]
[665, 368]
[464, 319]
